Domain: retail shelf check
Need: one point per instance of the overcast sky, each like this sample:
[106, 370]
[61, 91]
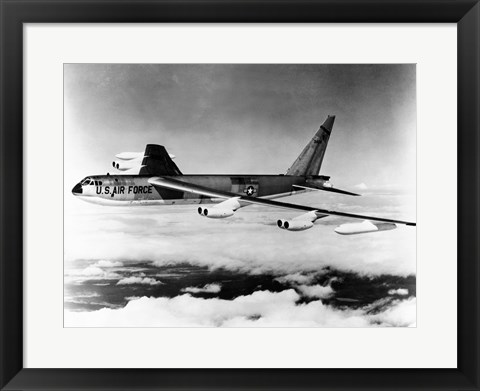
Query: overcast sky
[243, 118]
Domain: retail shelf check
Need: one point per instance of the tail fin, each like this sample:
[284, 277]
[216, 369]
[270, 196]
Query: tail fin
[157, 161]
[311, 158]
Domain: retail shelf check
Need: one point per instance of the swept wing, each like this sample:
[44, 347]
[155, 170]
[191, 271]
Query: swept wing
[174, 184]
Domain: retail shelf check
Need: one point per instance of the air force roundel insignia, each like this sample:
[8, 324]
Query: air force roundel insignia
[250, 190]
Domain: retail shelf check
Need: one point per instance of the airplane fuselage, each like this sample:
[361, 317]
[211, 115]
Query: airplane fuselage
[136, 190]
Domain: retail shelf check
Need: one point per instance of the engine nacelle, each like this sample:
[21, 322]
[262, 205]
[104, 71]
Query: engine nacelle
[215, 213]
[127, 164]
[295, 225]
[135, 155]
[129, 155]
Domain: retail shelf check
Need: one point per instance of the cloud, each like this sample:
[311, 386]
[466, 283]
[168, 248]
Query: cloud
[402, 312]
[399, 291]
[299, 278]
[139, 280]
[316, 291]
[260, 309]
[130, 298]
[81, 296]
[92, 271]
[208, 288]
[302, 282]
[361, 186]
[103, 263]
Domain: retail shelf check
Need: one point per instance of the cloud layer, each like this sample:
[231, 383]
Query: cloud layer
[138, 280]
[248, 241]
[260, 309]
[208, 288]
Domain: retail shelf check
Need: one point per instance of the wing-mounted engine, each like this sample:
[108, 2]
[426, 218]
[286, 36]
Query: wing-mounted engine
[299, 223]
[135, 155]
[132, 163]
[129, 162]
[223, 209]
[124, 165]
[129, 155]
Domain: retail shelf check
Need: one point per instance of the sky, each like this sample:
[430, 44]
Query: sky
[241, 119]
[244, 119]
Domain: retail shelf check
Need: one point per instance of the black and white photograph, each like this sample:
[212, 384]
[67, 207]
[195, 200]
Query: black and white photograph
[240, 195]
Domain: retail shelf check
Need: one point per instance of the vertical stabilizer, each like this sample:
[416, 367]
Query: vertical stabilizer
[311, 158]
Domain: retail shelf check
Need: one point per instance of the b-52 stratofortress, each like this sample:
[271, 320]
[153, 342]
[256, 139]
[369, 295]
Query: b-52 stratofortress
[152, 178]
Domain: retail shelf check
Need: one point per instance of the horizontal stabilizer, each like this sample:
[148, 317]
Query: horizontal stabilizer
[326, 188]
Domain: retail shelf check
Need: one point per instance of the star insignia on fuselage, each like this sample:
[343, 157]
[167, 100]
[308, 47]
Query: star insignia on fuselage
[250, 191]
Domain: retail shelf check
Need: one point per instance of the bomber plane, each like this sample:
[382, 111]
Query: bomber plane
[152, 178]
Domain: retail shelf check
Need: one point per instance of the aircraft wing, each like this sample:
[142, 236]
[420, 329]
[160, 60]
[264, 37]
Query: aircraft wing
[175, 184]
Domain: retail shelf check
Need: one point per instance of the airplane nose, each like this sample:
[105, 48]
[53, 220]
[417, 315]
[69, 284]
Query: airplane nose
[77, 189]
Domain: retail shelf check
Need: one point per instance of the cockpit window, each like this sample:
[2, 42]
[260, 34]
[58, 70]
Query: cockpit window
[86, 182]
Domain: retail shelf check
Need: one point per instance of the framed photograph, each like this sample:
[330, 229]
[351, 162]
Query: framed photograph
[239, 195]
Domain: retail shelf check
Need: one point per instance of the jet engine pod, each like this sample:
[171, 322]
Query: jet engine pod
[125, 165]
[129, 155]
[215, 213]
[363, 227]
[295, 225]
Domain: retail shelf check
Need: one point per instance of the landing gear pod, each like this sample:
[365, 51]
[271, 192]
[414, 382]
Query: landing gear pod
[363, 227]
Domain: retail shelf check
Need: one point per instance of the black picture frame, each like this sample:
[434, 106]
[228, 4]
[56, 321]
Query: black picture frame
[465, 13]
